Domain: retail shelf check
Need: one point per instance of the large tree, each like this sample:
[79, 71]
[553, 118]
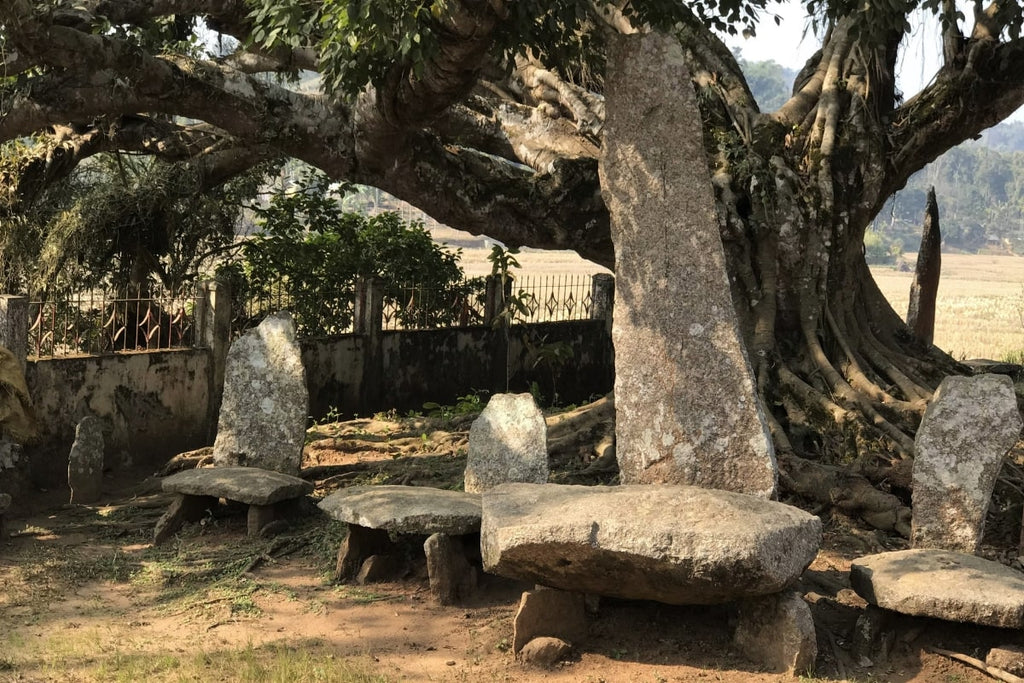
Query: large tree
[487, 114]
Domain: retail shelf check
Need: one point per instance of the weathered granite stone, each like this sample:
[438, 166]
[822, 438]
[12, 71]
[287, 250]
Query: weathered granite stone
[184, 508]
[452, 577]
[377, 568]
[359, 545]
[674, 544]
[687, 410]
[265, 404]
[777, 631]
[545, 651]
[406, 509]
[943, 585]
[249, 485]
[549, 612]
[507, 443]
[85, 462]
[1009, 658]
[967, 429]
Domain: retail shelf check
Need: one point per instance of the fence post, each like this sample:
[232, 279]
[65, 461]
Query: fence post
[369, 322]
[14, 326]
[214, 321]
[602, 297]
[496, 299]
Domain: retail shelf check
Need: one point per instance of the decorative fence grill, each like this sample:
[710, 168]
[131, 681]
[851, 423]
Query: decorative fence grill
[553, 298]
[416, 307]
[531, 298]
[97, 322]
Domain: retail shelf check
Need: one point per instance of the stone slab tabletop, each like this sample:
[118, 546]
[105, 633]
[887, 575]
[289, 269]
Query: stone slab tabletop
[671, 543]
[250, 485]
[406, 509]
[942, 584]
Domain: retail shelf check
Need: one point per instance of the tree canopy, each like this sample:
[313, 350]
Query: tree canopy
[488, 115]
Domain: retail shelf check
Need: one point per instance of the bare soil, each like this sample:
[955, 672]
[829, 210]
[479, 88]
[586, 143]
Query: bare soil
[84, 596]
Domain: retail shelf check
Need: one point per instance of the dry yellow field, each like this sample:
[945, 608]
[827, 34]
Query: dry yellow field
[980, 310]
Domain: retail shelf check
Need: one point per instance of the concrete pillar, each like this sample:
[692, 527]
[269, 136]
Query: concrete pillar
[369, 322]
[213, 318]
[14, 326]
[602, 298]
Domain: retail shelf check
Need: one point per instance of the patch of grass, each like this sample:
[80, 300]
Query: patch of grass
[84, 657]
[281, 662]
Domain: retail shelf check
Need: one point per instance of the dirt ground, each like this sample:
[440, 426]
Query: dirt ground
[84, 596]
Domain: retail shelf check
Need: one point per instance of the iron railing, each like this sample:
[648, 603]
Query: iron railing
[98, 321]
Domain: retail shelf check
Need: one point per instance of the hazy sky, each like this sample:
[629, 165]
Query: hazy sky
[792, 43]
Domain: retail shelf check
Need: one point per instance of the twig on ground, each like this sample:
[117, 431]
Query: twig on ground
[992, 671]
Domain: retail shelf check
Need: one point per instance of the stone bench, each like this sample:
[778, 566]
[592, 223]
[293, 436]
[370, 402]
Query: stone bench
[264, 491]
[943, 585]
[675, 544]
[450, 519]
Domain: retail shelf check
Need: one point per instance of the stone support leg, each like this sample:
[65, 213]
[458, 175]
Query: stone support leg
[452, 577]
[184, 508]
[777, 631]
[258, 517]
[549, 612]
[359, 545]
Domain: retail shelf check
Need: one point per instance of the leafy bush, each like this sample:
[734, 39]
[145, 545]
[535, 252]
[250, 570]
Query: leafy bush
[309, 253]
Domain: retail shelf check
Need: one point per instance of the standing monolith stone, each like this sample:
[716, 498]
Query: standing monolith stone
[85, 462]
[966, 431]
[263, 412]
[687, 410]
[508, 443]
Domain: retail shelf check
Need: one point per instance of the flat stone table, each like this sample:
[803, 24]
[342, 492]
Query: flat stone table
[264, 491]
[450, 519]
[942, 584]
[675, 544]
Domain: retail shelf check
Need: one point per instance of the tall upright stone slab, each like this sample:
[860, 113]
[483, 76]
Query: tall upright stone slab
[967, 429]
[85, 462]
[265, 403]
[508, 443]
[687, 410]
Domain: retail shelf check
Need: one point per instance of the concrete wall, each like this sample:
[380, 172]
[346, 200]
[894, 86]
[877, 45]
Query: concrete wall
[334, 373]
[153, 404]
[420, 366]
[159, 403]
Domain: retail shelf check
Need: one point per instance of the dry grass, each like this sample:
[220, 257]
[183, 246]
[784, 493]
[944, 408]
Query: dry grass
[980, 304]
[980, 307]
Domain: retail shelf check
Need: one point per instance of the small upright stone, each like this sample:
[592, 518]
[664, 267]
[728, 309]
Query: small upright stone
[549, 612]
[85, 462]
[508, 443]
[265, 405]
[968, 428]
[687, 409]
[777, 631]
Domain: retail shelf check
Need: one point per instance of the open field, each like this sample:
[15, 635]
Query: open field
[980, 310]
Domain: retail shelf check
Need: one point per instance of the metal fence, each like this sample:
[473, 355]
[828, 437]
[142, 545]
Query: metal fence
[552, 298]
[98, 321]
